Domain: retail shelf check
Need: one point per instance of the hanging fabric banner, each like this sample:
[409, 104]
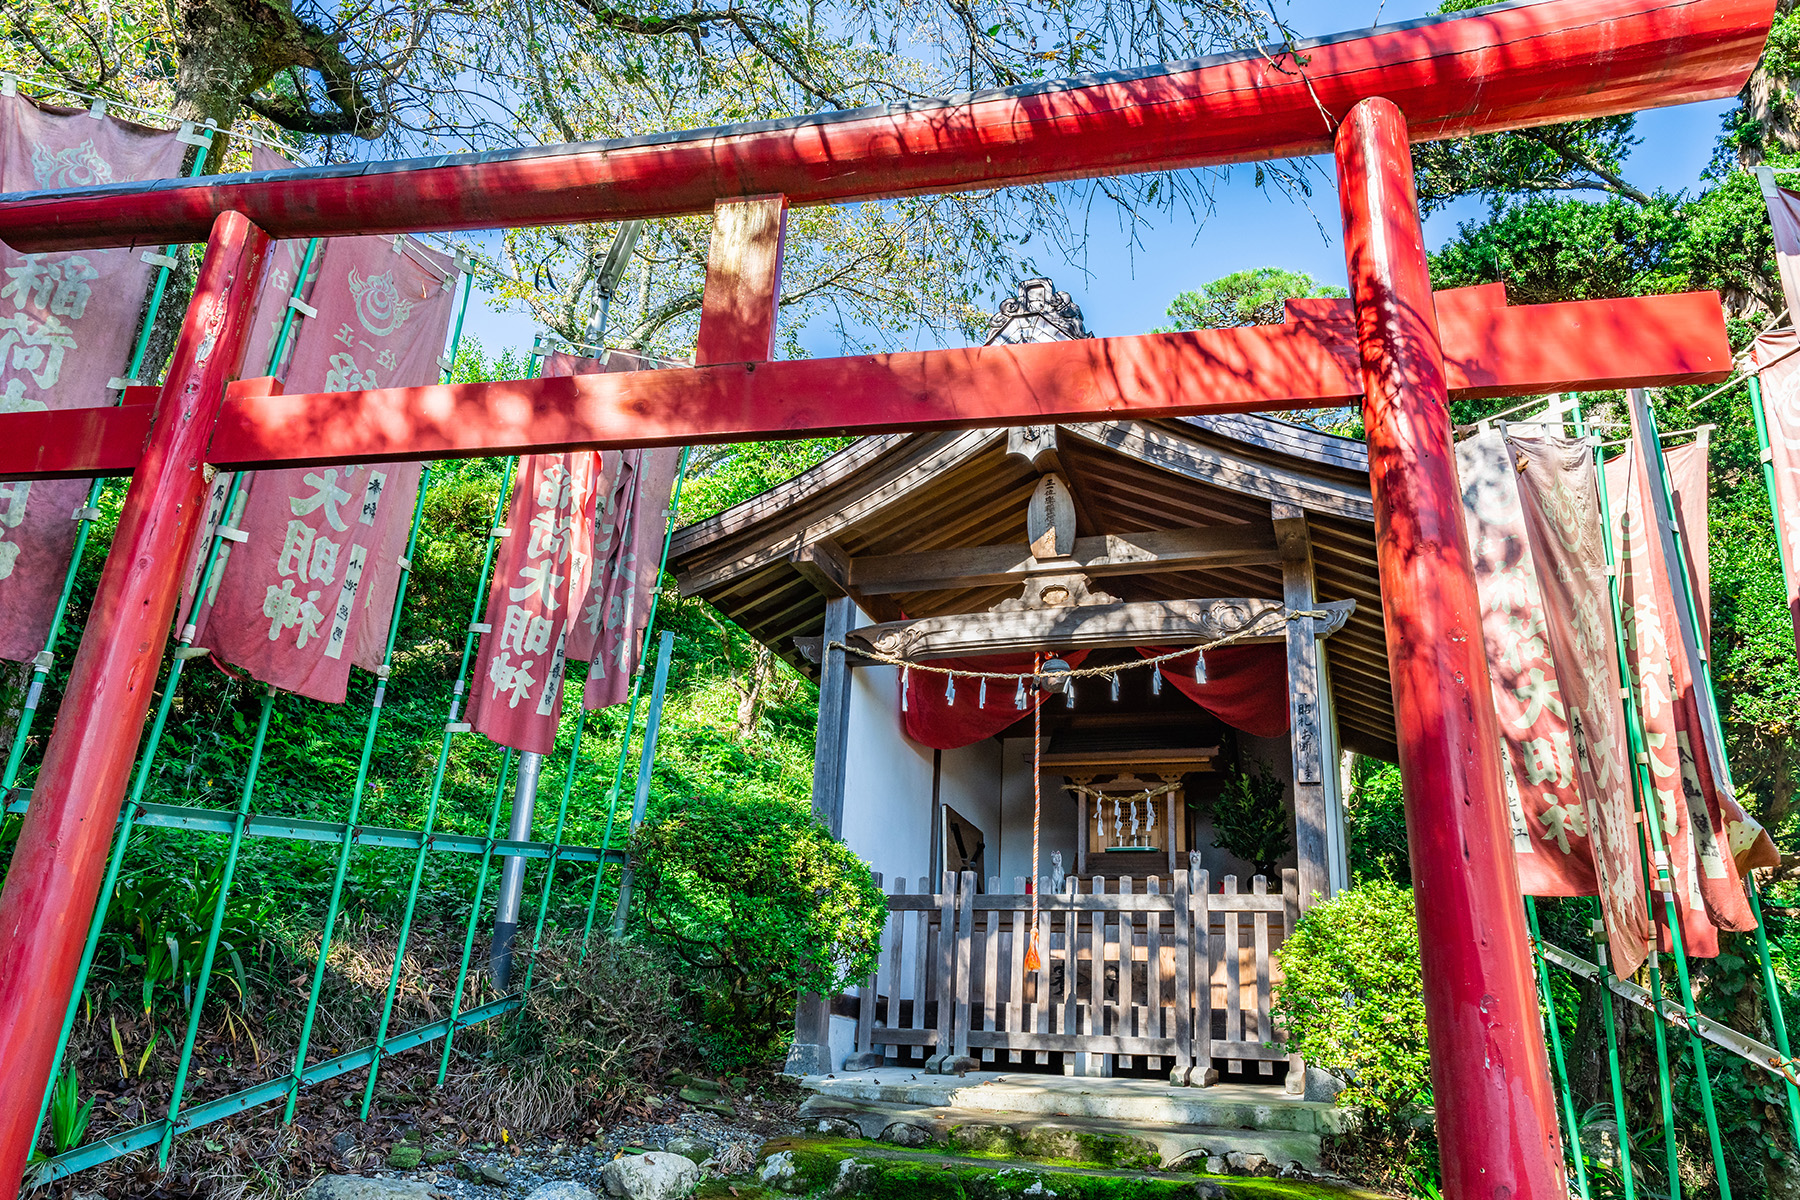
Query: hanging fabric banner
[1727, 839]
[1776, 357]
[1550, 820]
[631, 519]
[1686, 801]
[542, 567]
[1784, 218]
[1688, 476]
[67, 326]
[1559, 499]
[304, 585]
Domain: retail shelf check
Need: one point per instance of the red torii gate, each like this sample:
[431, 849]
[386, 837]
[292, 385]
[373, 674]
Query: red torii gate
[1365, 96]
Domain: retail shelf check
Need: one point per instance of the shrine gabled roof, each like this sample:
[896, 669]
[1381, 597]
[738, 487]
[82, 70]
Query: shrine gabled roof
[906, 493]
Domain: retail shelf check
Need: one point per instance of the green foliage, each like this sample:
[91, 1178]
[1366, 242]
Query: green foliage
[1250, 819]
[157, 924]
[1254, 297]
[68, 1112]
[1351, 997]
[1546, 250]
[1375, 824]
[761, 903]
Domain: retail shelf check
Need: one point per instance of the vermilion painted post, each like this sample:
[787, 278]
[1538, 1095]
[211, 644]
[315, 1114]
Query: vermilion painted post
[54, 879]
[1496, 1114]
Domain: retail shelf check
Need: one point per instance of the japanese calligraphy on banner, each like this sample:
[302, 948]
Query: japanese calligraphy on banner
[1559, 499]
[1551, 825]
[630, 520]
[1777, 357]
[1699, 820]
[67, 326]
[309, 591]
[542, 570]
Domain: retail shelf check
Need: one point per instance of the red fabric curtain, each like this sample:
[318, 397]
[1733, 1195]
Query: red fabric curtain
[1246, 686]
[931, 720]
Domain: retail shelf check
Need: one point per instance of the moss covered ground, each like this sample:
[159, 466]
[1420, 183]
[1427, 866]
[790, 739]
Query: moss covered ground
[852, 1169]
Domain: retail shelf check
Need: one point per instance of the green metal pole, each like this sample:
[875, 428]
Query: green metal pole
[1777, 1021]
[562, 816]
[487, 856]
[1556, 1049]
[1620, 1116]
[451, 728]
[1644, 790]
[133, 804]
[637, 685]
[1695, 1044]
[356, 798]
[652, 724]
[218, 923]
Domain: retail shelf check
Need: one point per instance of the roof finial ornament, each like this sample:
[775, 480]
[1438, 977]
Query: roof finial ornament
[1039, 313]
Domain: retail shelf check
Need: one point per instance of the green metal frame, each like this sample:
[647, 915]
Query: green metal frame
[1556, 1049]
[243, 822]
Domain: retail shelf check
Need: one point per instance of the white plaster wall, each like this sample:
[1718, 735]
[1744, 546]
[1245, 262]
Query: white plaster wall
[887, 783]
[1057, 830]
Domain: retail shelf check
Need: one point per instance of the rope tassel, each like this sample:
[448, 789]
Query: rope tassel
[982, 701]
[905, 679]
[1199, 666]
[950, 690]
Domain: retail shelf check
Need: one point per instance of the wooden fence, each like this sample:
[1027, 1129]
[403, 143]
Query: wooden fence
[1125, 975]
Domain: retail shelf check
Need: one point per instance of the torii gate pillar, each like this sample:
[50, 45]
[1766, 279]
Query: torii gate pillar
[1490, 1077]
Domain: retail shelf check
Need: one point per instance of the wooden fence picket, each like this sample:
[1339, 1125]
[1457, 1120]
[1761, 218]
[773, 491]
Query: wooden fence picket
[1128, 969]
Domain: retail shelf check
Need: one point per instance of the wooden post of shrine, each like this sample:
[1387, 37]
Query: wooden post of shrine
[1496, 1116]
[1305, 706]
[61, 854]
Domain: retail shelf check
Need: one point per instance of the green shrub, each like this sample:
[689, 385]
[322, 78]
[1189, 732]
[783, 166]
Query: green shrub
[1351, 998]
[1375, 823]
[757, 898]
[1250, 820]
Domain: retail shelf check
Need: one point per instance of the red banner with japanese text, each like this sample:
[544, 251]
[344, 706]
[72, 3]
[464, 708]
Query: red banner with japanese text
[303, 586]
[631, 519]
[1551, 828]
[68, 322]
[1708, 893]
[541, 569]
[1559, 500]
[1777, 360]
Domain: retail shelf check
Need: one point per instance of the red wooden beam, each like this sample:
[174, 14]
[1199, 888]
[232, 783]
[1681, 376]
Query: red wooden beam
[1491, 350]
[1504, 67]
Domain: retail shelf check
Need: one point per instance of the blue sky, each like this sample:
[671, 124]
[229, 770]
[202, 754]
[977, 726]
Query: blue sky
[1125, 289]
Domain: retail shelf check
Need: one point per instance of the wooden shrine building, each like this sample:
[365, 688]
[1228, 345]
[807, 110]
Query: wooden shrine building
[1119, 538]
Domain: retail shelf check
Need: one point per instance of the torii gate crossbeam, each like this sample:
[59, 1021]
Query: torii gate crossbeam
[1365, 96]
